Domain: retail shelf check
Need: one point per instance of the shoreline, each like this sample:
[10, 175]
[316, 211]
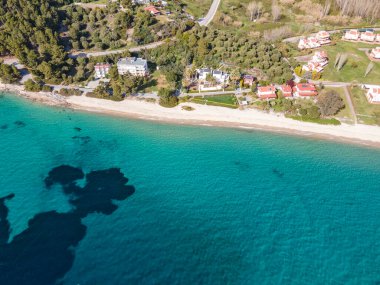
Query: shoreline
[207, 116]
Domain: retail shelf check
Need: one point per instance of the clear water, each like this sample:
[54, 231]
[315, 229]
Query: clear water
[211, 206]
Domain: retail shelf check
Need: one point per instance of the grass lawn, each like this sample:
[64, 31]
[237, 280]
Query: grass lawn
[197, 8]
[157, 82]
[349, 73]
[367, 113]
[228, 101]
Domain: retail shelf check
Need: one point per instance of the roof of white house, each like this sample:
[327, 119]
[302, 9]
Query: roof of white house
[132, 61]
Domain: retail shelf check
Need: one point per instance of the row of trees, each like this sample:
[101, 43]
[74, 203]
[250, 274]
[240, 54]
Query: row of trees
[363, 8]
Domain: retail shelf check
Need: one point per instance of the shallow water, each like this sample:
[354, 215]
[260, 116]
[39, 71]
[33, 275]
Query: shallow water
[211, 205]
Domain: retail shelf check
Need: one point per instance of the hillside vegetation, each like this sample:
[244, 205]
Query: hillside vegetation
[276, 19]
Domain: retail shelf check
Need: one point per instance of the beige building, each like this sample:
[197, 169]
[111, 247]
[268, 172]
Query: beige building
[133, 65]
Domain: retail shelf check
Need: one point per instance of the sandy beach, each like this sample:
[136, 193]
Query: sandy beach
[224, 117]
[208, 116]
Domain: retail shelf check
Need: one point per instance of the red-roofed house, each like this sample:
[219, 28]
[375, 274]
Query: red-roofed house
[368, 36]
[101, 70]
[266, 92]
[152, 10]
[373, 95]
[376, 53]
[248, 79]
[305, 90]
[286, 90]
[352, 35]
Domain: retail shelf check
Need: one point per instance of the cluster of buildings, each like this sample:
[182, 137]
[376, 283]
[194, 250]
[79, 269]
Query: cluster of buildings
[317, 63]
[130, 65]
[368, 36]
[301, 90]
[219, 79]
[320, 39]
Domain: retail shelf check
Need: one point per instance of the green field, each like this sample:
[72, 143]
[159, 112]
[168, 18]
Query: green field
[197, 8]
[228, 101]
[354, 69]
[367, 113]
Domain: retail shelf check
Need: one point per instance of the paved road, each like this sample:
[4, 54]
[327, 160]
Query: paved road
[117, 51]
[350, 104]
[211, 13]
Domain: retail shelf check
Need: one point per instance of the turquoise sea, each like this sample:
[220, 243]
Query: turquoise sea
[207, 206]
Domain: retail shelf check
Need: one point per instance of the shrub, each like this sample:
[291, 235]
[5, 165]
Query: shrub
[32, 86]
[167, 98]
[47, 88]
[188, 108]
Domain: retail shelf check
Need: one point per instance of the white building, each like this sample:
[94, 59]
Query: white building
[323, 38]
[317, 63]
[135, 66]
[219, 75]
[376, 53]
[101, 70]
[373, 95]
[368, 36]
[352, 35]
[311, 42]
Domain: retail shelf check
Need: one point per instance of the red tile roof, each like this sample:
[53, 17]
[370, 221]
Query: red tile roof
[151, 9]
[266, 89]
[287, 90]
[306, 87]
[376, 91]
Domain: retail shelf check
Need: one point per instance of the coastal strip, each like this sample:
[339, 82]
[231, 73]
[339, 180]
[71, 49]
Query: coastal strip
[204, 115]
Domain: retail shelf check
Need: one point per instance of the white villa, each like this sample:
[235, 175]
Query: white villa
[221, 79]
[376, 53]
[101, 70]
[352, 35]
[135, 66]
[323, 38]
[317, 63]
[219, 75]
[368, 36]
[307, 43]
[373, 95]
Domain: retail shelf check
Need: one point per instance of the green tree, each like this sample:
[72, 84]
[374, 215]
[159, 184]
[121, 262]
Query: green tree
[9, 73]
[32, 86]
[167, 98]
[330, 103]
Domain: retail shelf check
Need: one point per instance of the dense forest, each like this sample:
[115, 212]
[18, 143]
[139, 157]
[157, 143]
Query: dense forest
[29, 30]
[41, 33]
